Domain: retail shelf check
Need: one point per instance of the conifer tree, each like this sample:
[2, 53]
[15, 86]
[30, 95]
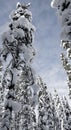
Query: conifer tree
[19, 77]
[59, 109]
[20, 91]
[1, 94]
[67, 115]
[46, 115]
[64, 14]
[26, 118]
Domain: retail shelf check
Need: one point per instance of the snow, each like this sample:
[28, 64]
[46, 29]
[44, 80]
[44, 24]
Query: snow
[14, 14]
[18, 33]
[8, 36]
[16, 107]
[66, 33]
[16, 74]
[59, 3]
[54, 3]
[23, 22]
[35, 89]
[28, 15]
[69, 52]
[66, 17]
[28, 89]
[20, 10]
[18, 5]
[27, 53]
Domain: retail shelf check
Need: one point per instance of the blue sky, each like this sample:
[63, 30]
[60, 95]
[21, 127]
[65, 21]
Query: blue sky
[47, 62]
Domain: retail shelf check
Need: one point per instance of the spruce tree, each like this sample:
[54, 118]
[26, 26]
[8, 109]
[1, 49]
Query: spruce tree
[59, 109]
[64, 14]
[1, 94]
[18, 75]
[26, 118]
[67, 115]
[46, 118]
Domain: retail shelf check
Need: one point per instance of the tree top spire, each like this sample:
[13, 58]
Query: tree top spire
[24, 6]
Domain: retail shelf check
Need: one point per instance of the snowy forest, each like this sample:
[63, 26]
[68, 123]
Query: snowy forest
[25, 101]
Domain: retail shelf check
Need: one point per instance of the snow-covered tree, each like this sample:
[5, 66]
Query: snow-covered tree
[46, 112]
[67, 67]
[1, 94]
[26, 118]
[27, 103]
[64, 14]
[63, 110]
[19, 80]
[67, 114]
[58, 104]
[55, 117]
[59, 109]
[10, 103]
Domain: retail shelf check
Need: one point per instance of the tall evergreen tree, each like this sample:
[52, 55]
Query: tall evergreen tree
[26, 118]
[46, 116]
[1, 94]
[64, 13]
[67, 115]
[59, 109]
[20, 91]
[18, 54]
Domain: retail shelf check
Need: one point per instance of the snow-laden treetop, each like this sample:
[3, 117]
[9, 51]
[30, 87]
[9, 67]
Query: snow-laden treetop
[61, 4]
[19, 35]
[21, 9]
[64, 13]
[17, 41]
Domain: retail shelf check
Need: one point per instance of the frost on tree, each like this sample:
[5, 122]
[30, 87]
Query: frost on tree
[46, 110]
[1, 94]
[63, 110]
[17, 55]
[59, 110]
[67, 114]
[64, 14]
[25, 104]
